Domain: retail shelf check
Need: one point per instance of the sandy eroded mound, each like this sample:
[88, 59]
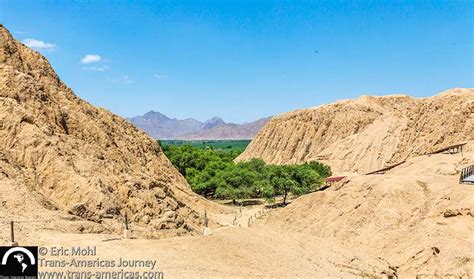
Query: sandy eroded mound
[367, 133]
[61, 153]
[416, 217]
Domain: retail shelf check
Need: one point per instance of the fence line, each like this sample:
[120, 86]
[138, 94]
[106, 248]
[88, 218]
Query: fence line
[126, 224]
[253, 218]
[27, 221]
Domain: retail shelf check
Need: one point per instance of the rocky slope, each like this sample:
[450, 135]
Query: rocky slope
[228, 131]
[160, 126]
[213, 122]
[417, 217]
[367, 133]
[60, 153]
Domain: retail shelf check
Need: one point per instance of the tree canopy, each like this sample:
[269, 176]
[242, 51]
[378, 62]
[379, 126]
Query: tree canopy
[213, 174]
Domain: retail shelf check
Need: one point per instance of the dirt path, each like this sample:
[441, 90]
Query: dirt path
[241, 216]
[233, 252]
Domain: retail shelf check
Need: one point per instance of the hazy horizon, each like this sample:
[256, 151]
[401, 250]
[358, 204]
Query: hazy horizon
[200, 120]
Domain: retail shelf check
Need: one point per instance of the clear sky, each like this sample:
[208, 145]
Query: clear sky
[243, 60]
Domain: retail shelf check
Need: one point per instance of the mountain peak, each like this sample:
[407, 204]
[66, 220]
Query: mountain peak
[160, 126]
[155, 115]
[213, 122]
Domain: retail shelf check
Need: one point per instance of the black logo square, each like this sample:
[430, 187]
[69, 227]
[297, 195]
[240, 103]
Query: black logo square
[19, 261]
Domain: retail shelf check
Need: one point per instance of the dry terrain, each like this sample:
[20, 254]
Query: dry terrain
[416, 220]
[70, 172]
[367, 133]
[72, 157]
[417, 216]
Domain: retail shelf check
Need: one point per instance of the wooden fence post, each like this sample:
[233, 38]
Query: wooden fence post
[12, 230]
[126, 232]
[207, 230]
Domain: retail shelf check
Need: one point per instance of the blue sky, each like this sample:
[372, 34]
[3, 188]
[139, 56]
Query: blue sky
[243, 60]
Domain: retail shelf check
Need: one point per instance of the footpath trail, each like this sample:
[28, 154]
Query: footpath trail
[242, 216]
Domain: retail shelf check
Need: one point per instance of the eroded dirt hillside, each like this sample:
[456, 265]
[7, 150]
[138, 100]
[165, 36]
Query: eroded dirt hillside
[60, 153]
[367, 133]
[416, 217]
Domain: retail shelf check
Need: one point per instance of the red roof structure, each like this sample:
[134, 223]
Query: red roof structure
[334, 179]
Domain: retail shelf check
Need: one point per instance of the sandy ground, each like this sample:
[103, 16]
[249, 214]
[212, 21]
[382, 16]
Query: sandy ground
[417, 217]
[416, 220]
[256, 252]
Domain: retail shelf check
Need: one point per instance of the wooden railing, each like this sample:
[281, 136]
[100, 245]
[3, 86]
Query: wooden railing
[466, 172]
[385, 169]
[452, 149]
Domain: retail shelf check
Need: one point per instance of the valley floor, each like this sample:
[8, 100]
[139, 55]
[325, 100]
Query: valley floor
[416, 220]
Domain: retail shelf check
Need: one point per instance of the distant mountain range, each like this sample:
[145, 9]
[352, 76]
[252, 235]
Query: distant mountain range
[160, 126]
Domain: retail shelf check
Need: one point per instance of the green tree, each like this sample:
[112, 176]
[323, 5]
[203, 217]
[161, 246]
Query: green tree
[212, 173]
[306, 178]
[323, 170]
[235, 183]
[294, 179]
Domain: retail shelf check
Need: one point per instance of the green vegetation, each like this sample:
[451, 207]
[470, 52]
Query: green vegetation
[224, 145]
[213, 174]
